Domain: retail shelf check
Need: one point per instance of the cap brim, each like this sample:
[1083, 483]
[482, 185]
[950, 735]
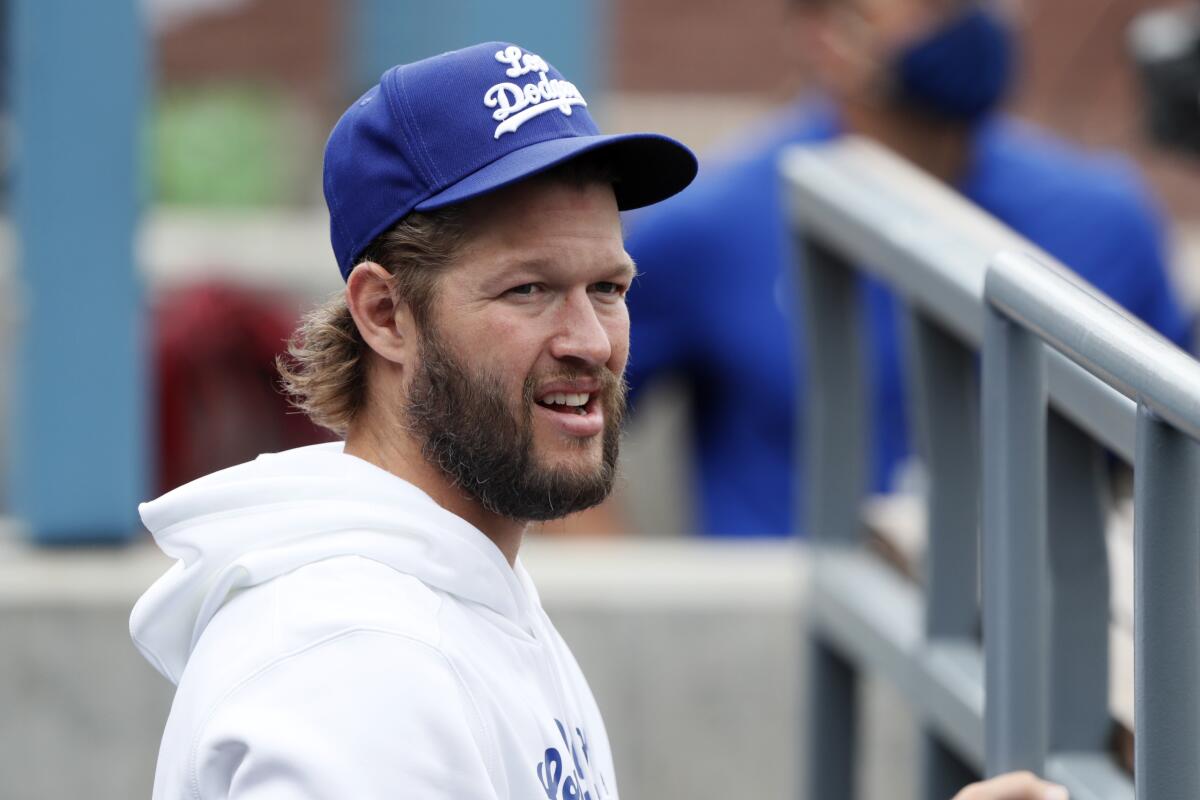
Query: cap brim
[649, 167]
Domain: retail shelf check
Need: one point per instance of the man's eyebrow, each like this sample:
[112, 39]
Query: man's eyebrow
[625, 265]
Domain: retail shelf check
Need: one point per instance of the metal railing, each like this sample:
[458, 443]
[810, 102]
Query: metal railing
[1031, 305]
[1062, 369]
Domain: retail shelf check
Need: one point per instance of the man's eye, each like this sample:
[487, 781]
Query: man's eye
[525, 289]
[608, 287]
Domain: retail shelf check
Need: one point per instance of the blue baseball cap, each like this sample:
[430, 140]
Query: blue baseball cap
[464, 123]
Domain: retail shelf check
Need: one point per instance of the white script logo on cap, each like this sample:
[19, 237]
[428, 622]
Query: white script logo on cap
[515, 104]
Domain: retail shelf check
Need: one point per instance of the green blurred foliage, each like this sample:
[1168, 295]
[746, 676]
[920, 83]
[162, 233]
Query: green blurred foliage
[223, 146]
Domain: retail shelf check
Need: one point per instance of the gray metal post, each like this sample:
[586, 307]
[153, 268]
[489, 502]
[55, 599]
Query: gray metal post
[1166, 611]
[943, 772]
[1079, 589]
[946, 420]
[835, 436]
[835, 428]
[832, 725]
[1015, 595]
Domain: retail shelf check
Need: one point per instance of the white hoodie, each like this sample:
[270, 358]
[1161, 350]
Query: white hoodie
[336, 634]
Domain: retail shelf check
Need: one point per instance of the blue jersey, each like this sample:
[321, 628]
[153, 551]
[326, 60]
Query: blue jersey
[715, 303]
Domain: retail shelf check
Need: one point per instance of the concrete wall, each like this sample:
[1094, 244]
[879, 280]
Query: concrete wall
[692, 648]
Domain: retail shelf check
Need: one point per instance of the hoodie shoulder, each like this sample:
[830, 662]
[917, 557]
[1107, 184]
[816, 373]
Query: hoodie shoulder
[297, 519]
[362, 714]
[315, 602]
[334, 595]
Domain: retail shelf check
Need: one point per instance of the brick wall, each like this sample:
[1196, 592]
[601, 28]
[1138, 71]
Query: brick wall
[295, 45]
[1076, 78]
[699, 46]
[1079, 80]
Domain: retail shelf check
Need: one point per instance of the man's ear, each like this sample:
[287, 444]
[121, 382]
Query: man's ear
[385, 324]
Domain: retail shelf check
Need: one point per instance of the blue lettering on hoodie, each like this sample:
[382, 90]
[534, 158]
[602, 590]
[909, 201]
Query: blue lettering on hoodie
[563, 781]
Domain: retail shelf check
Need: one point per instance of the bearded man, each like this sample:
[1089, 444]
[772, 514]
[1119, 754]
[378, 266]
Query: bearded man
[352, 620]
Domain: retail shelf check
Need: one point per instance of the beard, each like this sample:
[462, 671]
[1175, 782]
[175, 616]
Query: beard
[468, 430]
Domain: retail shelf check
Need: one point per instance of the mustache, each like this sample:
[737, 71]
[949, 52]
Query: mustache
[611, 384]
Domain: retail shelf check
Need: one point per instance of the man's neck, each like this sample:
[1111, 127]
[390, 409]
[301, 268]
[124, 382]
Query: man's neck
[943, 149]
[400, 455]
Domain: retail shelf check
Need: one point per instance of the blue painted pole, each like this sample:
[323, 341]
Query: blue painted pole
[572, 36]
[78, 432]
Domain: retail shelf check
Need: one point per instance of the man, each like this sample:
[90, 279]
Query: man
[715, 303]
[352, 620]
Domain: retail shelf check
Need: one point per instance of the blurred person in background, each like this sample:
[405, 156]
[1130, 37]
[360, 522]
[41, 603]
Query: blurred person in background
[715, 302]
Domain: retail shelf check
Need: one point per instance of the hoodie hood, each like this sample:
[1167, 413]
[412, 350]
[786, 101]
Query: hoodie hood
[247, 524]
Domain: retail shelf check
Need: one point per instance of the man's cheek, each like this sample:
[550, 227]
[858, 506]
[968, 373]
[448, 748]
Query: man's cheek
[619, 341]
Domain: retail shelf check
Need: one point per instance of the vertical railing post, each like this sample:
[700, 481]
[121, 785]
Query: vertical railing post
[1079, 589]
[1166, 611]
[943, 386]
[834, 440]
[1015, 593]
[832, 724]
[835, 425]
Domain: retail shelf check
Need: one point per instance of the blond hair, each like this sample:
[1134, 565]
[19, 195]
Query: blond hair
[324, 371]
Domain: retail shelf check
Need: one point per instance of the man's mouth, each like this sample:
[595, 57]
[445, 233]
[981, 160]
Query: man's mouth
[567, 402]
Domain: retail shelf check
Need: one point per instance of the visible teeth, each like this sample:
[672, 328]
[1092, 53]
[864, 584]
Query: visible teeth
[566, 399]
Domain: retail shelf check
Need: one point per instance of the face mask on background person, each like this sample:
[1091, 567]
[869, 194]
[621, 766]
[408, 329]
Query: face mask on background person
[961, 69]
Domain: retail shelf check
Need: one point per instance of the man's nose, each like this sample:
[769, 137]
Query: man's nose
[582, 334]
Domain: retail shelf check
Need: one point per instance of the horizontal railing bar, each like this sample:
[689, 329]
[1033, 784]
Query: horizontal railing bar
[849, 209]
[874, 617]
[1089, 776]
[846, 196]
[1096, 408]
[1090, 329]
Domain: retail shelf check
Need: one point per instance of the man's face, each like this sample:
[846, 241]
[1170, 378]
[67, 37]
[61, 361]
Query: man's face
[518, 395]
[850, 44]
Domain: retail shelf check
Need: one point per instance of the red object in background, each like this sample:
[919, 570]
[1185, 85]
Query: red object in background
[219, 401]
